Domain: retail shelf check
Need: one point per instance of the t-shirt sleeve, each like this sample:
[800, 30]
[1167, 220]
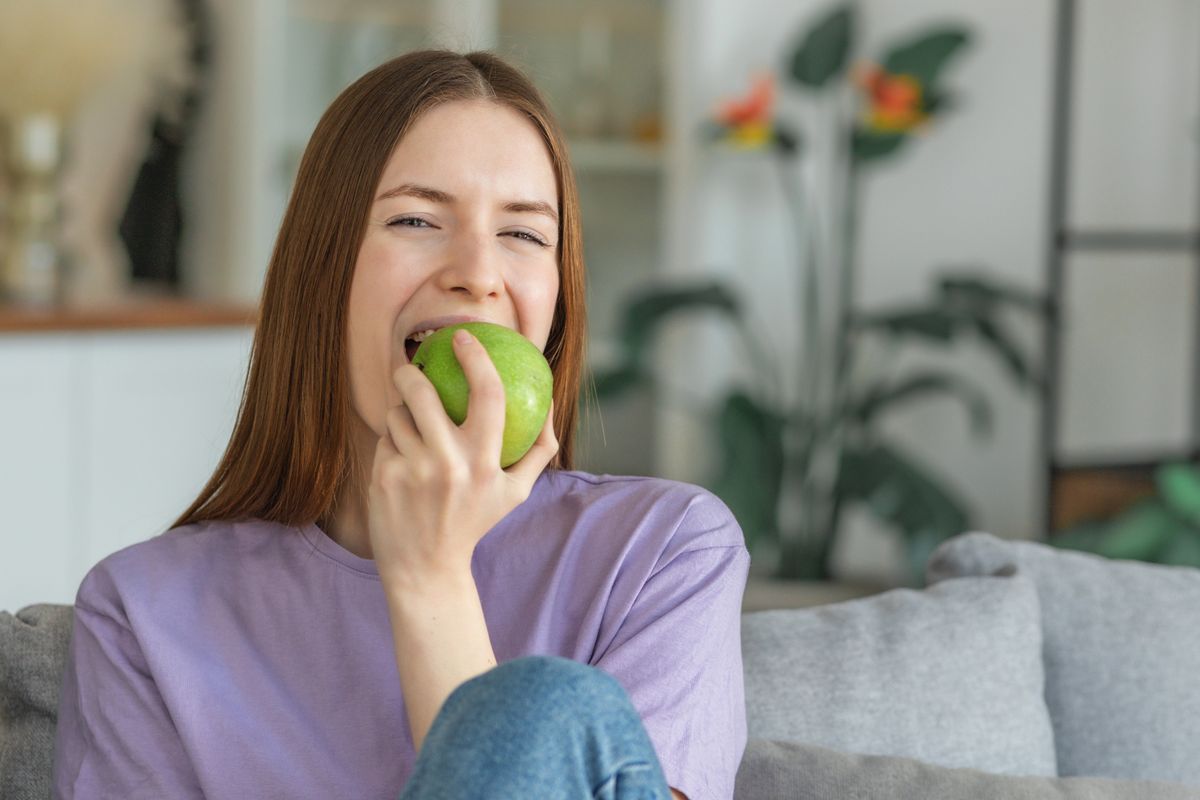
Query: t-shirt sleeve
[678, 655]
[115, 737]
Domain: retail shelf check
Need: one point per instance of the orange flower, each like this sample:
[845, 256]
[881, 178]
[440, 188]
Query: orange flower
[895, 103]
[746, 121]
[755, 107]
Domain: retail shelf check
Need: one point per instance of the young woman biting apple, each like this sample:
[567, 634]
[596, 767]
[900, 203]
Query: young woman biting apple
[361, 603]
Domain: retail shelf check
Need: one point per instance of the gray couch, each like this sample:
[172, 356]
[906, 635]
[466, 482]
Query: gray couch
[1020, 671]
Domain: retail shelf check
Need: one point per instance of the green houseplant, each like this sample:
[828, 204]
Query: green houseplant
[1162, 529]
[829, 448]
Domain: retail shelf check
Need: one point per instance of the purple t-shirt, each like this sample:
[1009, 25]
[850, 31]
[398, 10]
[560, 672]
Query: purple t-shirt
[251, 659]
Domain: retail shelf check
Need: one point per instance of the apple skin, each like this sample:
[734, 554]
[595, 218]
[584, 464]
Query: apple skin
[524, 371]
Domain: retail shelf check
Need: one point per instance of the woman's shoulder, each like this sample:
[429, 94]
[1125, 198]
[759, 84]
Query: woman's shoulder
[690, 515]
[580, 481]
[182, 558]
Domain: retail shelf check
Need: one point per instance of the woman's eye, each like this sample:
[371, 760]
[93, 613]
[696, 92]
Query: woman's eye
[417, 222]
[529, 237]
[403, 220]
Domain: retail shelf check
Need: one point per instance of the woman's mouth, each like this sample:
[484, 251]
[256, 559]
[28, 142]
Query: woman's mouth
[413, 341]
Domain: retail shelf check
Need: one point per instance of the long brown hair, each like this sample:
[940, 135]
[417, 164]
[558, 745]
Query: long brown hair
[292, 452]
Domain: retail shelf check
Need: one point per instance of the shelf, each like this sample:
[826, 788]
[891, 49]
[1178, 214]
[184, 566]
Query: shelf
[1085, 495]
[134, 312]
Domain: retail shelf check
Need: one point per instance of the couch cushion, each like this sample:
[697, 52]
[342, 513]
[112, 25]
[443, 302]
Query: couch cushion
[33, 651]
[951, 675]
[789, 771]
[1122, 642]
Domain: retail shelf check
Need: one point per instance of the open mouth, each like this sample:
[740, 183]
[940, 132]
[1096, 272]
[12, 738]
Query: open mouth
[414, 341]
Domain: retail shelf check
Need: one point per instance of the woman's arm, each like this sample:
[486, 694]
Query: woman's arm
[436, 490]
[441, 642]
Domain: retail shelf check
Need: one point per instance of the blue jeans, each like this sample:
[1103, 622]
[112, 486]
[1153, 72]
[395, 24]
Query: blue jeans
[538, 727]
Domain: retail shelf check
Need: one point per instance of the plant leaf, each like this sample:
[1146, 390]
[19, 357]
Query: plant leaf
[787, 140]
[867, 145]
[751, 461]
[929, 323]
[987, 294]
[1179, 487]
[924, 510]
[937, 102]
[824, 50]
[1001, 342]
[1084, 536]
[884, 397]
[1141, 532]
[649, 308]
[1183, 550]
[926, 56]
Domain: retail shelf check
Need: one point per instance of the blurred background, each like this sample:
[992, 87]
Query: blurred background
[874, 272]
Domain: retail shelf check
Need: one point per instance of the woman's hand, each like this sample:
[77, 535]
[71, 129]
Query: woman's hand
[437, 488]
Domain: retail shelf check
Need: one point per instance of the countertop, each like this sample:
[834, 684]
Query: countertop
[127, 314]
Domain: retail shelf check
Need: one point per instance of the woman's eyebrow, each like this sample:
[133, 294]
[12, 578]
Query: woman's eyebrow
[438, 196]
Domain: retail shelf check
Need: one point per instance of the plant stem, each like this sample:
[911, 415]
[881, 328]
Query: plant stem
[844, 345]
[809, 378]
[845, 338]
[775, 399]
[810, 289]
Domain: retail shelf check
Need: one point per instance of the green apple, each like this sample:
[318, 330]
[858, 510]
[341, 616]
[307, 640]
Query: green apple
[524, 371]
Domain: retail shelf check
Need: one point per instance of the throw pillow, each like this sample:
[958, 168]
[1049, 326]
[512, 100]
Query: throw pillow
[1122, 654]
[951, 675]
[792, 771]
[33, 652]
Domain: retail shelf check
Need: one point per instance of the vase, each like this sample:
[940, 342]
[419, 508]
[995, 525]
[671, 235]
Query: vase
[33, 262]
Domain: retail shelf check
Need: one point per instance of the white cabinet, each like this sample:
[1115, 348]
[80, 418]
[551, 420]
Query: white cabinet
[106, 438]
[39, 435]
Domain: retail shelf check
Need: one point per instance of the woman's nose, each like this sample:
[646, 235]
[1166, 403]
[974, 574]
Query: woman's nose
[473, 266]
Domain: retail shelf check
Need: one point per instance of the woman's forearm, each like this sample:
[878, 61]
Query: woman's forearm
[441, 641]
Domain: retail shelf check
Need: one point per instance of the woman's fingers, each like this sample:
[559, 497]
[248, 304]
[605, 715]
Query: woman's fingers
[424, 409]
[403, 430]
[485, 398]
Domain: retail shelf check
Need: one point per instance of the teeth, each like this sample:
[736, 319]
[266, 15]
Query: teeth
[421, 336]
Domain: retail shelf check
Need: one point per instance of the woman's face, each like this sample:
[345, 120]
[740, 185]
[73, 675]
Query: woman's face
[464, 223]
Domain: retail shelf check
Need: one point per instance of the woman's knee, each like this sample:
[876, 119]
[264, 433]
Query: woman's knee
[539, 716]
[553, 672]
[541, 684]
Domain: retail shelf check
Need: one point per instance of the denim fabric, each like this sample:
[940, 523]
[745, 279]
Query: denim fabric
[538, 727]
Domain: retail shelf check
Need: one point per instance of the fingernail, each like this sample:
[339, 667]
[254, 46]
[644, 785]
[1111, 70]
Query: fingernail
[462, 337]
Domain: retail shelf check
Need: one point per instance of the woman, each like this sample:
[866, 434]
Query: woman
[327, 618]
